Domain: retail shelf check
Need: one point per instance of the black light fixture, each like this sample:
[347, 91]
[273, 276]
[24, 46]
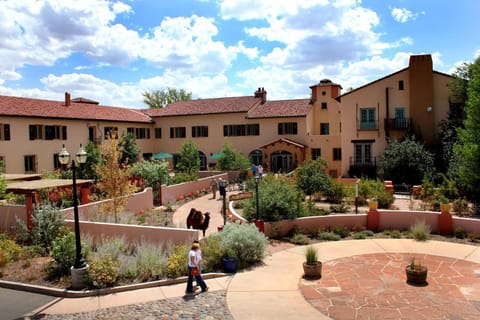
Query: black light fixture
[257, 180]
[223, 193]
[80, 157]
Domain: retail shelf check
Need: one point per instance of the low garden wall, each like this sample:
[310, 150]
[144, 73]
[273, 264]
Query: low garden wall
[136, 233]
[178, 192]
[385, 220]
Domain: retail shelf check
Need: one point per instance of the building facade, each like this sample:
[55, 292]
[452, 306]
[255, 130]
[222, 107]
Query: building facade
[348, 130]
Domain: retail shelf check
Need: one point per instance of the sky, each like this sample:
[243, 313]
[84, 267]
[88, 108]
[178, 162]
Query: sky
[113, 51]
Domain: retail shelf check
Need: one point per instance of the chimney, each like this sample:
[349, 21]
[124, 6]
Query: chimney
[68, 101]
[261, 93]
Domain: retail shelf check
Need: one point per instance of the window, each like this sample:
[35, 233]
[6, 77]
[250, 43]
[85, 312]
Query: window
[199, 131]
[30, 164]
[324, 128]
[287, 128]
[4, 131]
[316, 153]
[337, 154]
[177, 132]
[35, 131]
[110, 132]
[139, 133]
[363, 153]
[400, 85]
[235, 130]
[324, 105]
[55, 132]
[158, 133]
[368, 119]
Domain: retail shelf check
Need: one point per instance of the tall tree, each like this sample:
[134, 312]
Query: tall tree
[407, 162]
[162, 98]
[468, 149]
[312, 177]
[130, 149]
[114, 177]
[230, 159]
[189, 161]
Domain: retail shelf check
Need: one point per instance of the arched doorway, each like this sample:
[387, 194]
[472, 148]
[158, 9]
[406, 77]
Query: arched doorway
[281, 161]
[256, 157]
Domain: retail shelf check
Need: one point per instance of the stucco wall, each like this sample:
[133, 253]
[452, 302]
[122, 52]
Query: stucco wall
[8, 215]
[135, 233]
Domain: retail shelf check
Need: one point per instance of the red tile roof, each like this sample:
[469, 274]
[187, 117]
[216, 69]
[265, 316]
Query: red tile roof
[281, 108]
[205, 106]
[27, 107]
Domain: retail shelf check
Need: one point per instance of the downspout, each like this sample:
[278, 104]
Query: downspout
[387, 122]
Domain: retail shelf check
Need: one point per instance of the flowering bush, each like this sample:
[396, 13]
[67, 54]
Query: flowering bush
[103, 272]
[177, 261]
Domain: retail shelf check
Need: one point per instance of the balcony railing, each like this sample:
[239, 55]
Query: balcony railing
[367, 125]
[398, 123]
[363, 162]
[363, 168]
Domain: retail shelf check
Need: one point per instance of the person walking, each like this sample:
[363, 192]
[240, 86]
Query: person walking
[260, 171]
[214, 186]
[194, 270]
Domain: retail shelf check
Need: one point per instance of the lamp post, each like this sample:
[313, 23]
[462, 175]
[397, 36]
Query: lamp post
[356, 197]
[257, 179]
[223, 193]
[80, 266]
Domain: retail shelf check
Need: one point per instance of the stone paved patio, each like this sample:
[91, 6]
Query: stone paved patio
[373, 286]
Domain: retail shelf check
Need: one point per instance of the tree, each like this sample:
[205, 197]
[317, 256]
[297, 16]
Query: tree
[94, 157]
[3, 182]
[130, 149]
[407, 162]
[189, 161]
[468, 149]
[312, 178]
[151, 172]
[114, 177]
[162, 98]
[230, 159]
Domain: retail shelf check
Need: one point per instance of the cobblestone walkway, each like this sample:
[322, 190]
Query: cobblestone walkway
[373, 286]
[203, 306]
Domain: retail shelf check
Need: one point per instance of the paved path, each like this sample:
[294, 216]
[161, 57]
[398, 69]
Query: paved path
[276, 289]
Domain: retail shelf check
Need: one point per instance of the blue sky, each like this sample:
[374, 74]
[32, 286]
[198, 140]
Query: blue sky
[112, 51]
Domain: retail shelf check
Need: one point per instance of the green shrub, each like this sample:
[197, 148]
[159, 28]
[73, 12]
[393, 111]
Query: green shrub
[151, 261]
[112, 247]
[420, 231]
[212, 252]
[300, 239]
[63, 252]
[460, 233]
[278, 200]
[395, 234]
[246, 240]
[47, 225]
[102, 272]
[9, 250]
[177, 261]
[329, 236]
[336, 192]
[359, 236]
[339, 208]
[127, 267]
[460, 207]
[342, 231]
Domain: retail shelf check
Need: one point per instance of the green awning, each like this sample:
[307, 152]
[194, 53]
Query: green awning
[162, 155]
[215, 155]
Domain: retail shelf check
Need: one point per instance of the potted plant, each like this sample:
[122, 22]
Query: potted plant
[312, 268]
[373, 204]
[416, 273]
[444, 204]
[230, 260]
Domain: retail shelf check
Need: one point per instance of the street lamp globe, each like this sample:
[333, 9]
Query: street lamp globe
[81, 155]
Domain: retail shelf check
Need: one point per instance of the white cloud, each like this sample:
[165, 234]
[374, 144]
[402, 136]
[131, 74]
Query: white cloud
[403, 15]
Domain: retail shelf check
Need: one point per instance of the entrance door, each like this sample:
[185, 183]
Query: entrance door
[400, 121]
[281, 161]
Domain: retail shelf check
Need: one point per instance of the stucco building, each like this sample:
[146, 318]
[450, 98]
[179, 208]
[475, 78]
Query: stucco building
[348, 130]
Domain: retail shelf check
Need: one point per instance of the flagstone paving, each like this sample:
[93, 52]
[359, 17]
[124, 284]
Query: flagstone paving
[373, 286]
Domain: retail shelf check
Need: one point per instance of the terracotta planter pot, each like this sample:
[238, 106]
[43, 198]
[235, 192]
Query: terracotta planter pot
[312, 271]
[416, 276]
[445, 207]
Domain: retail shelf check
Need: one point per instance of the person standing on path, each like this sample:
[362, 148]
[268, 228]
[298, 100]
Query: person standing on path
[260, 171]
[214, 186]
[194, 270]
